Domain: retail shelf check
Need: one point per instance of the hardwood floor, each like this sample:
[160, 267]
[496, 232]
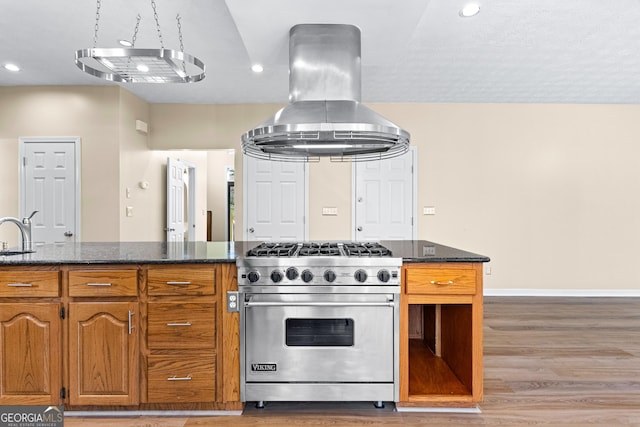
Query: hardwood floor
[547, 361]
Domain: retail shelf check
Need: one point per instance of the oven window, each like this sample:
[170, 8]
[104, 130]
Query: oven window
[319, 332]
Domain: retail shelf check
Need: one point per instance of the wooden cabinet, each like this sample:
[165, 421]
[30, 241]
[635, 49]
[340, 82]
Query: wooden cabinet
[103, 283]
[126, 336]
[441, 335]
[182, 334]
[103, 326]
[103, 353]
[30, 371]
[29, 283]
[30, 336]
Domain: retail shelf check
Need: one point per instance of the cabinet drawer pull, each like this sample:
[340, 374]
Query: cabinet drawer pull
[98, 284]
[20, 285]
[130, 318]
[178, 283]
[174, 378]
[179, 324]
[437, 282]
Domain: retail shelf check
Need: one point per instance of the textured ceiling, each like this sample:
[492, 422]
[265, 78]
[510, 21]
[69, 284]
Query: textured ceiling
[543, 51]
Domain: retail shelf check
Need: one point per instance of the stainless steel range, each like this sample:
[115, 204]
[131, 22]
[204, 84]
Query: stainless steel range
[319, 322]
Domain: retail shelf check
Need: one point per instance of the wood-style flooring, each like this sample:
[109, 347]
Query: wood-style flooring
[547, 361]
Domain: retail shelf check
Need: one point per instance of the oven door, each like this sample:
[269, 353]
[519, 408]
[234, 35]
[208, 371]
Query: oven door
[319, 337]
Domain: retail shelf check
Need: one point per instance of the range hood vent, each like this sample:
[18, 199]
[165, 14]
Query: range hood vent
[325, 117]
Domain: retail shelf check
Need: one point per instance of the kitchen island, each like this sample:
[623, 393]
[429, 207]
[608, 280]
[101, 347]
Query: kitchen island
[160, 309]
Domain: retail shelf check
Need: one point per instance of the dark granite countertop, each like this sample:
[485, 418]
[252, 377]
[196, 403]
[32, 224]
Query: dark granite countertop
[426, 251]
[204, 252]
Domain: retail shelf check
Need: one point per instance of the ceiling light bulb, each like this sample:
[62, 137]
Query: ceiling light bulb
[142, 68]
[12, 67]
[125, 43]
[470, 10]
[257, 68]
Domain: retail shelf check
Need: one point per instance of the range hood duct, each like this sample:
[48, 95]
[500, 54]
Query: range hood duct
[325, 117]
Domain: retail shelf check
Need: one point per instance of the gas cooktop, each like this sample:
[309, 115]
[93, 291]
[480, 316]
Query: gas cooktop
[328, 249]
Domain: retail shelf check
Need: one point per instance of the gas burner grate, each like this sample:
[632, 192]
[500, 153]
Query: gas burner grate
[274, 250]
[366, 249]
[320, 249]
[313, 249]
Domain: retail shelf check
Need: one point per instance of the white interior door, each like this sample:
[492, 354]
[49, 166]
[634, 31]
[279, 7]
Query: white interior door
[275, 202]
[49, 178]
[181, 208]
[385, 198]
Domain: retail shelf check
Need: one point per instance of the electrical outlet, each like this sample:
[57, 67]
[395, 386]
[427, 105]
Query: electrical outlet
[232, 302]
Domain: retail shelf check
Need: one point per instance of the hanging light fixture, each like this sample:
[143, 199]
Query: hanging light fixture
[136, 65]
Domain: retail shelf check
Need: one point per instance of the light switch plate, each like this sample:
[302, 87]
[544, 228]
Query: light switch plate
[330, 211]
[129, 210]
[429, 210]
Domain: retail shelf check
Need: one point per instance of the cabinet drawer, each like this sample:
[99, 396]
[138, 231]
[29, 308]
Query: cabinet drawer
[25, 283]
[85, 283]
[182, 280]
[184, 378]
[175, 325]
[440, 281]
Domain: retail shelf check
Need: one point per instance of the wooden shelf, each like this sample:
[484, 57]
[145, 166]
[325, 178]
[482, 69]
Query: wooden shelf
[430, 375]
[441, 335]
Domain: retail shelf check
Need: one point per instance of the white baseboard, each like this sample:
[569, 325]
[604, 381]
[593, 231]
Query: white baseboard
[472, 410]
[515, 292]
[118, 414]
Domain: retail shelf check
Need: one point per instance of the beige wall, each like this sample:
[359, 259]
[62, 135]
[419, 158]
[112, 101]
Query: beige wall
[114, 157]
[218, 162]
[88, 112]
[9, 188]
[207, 127]
[549, 192]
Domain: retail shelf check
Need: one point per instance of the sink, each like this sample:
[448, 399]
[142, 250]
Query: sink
[14, 252]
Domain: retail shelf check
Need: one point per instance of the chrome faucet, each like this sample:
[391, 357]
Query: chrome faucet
[25, 229]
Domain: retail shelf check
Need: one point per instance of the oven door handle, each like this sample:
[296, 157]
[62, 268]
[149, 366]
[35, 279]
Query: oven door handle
[318, 304]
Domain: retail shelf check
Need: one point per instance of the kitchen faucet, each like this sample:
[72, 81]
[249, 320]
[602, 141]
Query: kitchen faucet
[25, 229]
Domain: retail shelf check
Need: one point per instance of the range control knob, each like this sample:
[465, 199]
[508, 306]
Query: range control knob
[276, 276]
[360, 276]
[307, 276]
[329, 276]
[253, 276]
[384, 276]
[292, 273]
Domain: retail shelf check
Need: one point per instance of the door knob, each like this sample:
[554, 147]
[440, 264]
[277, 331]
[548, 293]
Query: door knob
[359, 228]
[68, 233]
[251, 230]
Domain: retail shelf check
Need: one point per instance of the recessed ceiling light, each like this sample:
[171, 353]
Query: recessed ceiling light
[257, 68]
[12, 67]
[125, 43]
[470, 10]
[142, 68]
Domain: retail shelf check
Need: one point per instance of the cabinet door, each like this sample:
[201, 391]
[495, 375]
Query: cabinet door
[103, 353]
[30, 354]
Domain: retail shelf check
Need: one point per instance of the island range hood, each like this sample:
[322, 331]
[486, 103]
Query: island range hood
[325, 117]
